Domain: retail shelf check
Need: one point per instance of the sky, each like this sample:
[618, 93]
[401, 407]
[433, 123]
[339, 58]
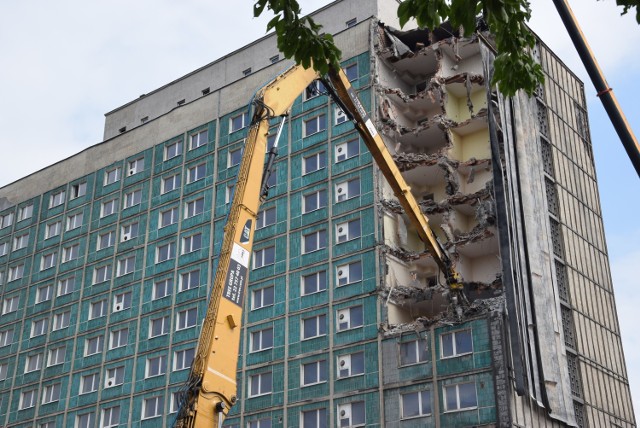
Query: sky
[66, 63]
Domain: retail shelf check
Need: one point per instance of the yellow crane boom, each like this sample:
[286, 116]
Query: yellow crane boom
[211, 389]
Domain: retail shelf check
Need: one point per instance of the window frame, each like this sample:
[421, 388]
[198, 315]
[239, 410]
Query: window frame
[181, 359]
[256, 345]
[425, 407]
[169, 153]
[319, 195]
[132, 198]
[158, 404]
[268, 384]
[320, 162]
[151, 370]
[110, 240]
[94, 383]
[170, 251]
[112, 175]
[261, 292]
[185, 324]
[350, 358]
[347, 146]
[458, 407]
[170, 183]
[261, 257]
[316, 122]
[345, 186]
[53, 229]
[321, 237]
[93, 345]
[320, 325]
[321, 372]
[454, 343]
[351, 316]
[201, 138]
[74, 219]
[165, 326]
[244, 119]
[56, 199]
[350, 233]
[192, 212]
[109, 207]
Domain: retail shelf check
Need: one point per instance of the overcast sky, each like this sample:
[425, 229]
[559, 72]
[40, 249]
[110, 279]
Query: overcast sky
[67, 62]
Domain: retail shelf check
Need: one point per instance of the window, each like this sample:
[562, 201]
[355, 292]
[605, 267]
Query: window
[314, 162]
[86, 420]
[115, 377]
[122, 301]
[415, 404]
[349, 273]
[43, 293]
[315, 372]
[260, 423]
[162, 288]
[351, 365]
[350, 318]
[172, 150]
[111, 176]
[171, 183]
[78, 190]
[228, 193]
[352, 22]
[459, 397]
[74, 221]
[266, 217]
[61, 320]
[191, 243]
[159, 326]
[98, 309]
[315, 125]
[4, 371]
[119, 338]
[129, 231]
[262, 339]
[347, 150]
[39, 327]
[20, 242]
[199, 139]
[4, 248]
[351, 414]
[175, 403]
[6, 337]
[313, 90]
[89, 383]
[111, 417]
[272, 180]
[28, 399]
[189, 280]
[192, 208]
[187, 318]
[132, 198]
[274, 59]
[347, 190]
[234, 157]
[196, 173]
[126, 265]
[238, 122]
[53, 229]
[70, 253]
[93, 345]
[183, 359]
[56, 199]
[314, 283]
[413, 352]
[156, 366]
[6, 220]
[316, 418]
[106, 240]
[48, 261]
[351, 71]
[33, 363]
[108, 207]
[314, 201]
[16, 272]
[168, 217]
[314, 241]
[10, 304]
[25, 212]
[165, 252]
[264, 257]
[136, 166]
[314, 327]
[51, 393]
[456, 343]
[56, 356]
[347, 230]
[152, 407]
[102, 274]
[340, 116]
[262, 297]
[260, 384]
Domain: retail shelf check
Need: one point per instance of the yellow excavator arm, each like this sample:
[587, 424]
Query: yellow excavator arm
[211, 389]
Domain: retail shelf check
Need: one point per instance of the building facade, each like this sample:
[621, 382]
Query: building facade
[106, 258]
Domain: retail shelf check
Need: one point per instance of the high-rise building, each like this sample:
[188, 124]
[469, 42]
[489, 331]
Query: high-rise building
[106, 258]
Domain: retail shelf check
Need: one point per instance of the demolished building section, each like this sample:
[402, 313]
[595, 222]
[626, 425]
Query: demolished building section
[433, 115]
[433, 110]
